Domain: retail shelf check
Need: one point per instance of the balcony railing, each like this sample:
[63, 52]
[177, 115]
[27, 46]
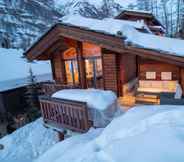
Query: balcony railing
[65, 114]
[50, 88]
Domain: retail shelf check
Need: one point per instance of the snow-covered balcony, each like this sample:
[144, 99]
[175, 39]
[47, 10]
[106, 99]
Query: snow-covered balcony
[78, 109]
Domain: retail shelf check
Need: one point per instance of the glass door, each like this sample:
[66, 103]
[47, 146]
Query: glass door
[72, 73]
[94, 73]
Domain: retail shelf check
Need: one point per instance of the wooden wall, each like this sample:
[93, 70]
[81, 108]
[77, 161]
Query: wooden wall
[110, 72]
[128, 68]
[146, 65]
[58, 68]
[13, 101]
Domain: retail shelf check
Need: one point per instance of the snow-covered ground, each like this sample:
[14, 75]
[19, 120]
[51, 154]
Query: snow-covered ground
[27, 143]
[15, 69]
[143, 134]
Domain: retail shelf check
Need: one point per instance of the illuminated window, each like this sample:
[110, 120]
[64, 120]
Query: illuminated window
[93, 71]
[166, 75]
[151, 75]
[72, 74]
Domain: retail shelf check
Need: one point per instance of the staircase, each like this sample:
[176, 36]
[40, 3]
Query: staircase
[146, 98]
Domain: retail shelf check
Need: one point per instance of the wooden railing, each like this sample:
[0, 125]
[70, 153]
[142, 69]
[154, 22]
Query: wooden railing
[68, 114]
[50, 88]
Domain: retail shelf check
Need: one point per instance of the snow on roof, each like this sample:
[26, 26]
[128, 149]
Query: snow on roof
[107, 25]
[128, 28]
[138, 11]
[15, 69]
[161, 44]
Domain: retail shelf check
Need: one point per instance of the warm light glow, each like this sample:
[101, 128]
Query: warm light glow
[72, 74]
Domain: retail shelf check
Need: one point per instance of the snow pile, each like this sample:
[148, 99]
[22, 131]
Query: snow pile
[95, 98]
[102, 104]
[27, 143]
[128, 29]
[145, 133]
[72, 148]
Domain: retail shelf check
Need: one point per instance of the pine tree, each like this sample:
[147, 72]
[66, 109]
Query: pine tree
[32, 93]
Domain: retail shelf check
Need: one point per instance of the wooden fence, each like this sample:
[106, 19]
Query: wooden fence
[68, 114]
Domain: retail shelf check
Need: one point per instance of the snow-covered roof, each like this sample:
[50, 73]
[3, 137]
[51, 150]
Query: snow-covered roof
[15, 69]
[138, 11]
[128, 29]
[107, 25]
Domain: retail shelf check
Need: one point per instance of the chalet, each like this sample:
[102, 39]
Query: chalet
[128, 55]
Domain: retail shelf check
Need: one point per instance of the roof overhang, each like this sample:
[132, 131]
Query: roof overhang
[54, 40]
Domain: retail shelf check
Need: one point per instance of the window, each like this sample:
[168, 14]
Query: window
[166, 75]
[93, 71]
[72, 74]
[151, 75]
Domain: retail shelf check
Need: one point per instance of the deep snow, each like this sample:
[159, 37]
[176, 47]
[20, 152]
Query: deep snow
[27, 143]
[142, 134]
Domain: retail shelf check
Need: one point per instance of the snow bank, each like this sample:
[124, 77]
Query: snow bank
[143, 134]
[72, 148]
[128, 28]
[27, 143]
[102, 105]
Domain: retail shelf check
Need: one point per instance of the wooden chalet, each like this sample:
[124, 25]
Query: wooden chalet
[84, 58]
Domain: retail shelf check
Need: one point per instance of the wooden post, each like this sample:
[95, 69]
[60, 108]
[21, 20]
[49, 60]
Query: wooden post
[61, 136]
[81, 66]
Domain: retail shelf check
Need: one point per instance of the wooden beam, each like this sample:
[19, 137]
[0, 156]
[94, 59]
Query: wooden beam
[156, 56]
[81, 66]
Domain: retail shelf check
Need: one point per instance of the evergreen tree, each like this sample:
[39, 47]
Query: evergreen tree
[32, 93]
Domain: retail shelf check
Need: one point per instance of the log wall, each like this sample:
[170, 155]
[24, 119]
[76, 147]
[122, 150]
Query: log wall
[58, 69]
[182, 79]
[128, 68]
[146, 65]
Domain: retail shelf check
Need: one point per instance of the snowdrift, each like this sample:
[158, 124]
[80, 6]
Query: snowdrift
[143, 134]
[27, 143]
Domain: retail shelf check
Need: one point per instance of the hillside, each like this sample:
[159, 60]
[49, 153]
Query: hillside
[21, 21]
